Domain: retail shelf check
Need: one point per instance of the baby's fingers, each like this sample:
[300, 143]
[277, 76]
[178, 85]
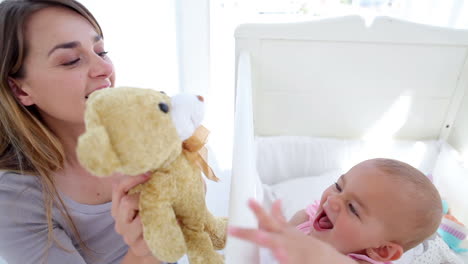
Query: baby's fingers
[265, 220]
[256, 236]
[277, 213]
[263, 239]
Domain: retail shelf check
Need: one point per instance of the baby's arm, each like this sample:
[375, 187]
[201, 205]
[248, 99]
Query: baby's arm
[287, 244]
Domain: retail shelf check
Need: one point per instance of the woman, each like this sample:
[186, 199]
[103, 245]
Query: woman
[53, 211]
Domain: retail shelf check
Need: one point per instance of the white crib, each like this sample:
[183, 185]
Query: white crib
[337, 83]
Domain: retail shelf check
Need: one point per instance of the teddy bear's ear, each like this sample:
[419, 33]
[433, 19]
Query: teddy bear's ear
[95, 152]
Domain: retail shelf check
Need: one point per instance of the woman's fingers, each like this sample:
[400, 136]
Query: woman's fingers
[129, 206]
[121, 188]
[140, 248]
[128, 210]
[125, 211]
[136, 232]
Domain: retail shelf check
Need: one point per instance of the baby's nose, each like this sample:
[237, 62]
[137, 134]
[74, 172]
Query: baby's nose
[333, 203]
[335, 207]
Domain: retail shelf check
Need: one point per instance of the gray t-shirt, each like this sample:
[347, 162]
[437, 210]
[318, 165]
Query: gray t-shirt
[23, 227]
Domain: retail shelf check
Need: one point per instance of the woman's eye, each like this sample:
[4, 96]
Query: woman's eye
[353, 210]
[71, 62]
[338, 187]
[103, 54]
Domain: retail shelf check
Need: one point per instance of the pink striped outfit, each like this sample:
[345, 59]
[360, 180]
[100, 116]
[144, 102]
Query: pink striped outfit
[306, 227]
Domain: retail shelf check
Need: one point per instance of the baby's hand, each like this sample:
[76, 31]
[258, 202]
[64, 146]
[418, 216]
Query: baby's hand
[287, 244]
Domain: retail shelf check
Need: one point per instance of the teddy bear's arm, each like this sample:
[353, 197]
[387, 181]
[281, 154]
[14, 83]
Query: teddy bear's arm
[161, 230]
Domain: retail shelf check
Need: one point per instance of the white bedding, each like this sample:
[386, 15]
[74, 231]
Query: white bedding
[281, 158]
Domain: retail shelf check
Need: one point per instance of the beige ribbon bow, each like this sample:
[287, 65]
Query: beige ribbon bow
[196, 152]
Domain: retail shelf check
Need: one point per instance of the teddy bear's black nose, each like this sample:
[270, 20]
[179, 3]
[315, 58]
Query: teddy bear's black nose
[164, 107]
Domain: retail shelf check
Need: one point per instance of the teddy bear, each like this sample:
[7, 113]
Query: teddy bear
[134, 131]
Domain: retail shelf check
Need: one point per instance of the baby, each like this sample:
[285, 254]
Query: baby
[372, 214]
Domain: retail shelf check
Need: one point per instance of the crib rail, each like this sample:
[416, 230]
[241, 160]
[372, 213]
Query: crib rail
[245, 182]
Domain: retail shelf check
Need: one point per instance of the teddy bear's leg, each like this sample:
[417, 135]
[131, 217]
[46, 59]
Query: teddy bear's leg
[200, 249]
[216, 227]
[161, 232]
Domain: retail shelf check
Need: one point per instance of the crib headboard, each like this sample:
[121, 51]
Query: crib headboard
[340, 78]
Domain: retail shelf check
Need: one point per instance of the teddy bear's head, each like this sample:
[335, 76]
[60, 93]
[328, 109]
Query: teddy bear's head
[132, 130]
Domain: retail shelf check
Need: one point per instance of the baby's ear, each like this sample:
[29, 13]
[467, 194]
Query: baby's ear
[388, 252]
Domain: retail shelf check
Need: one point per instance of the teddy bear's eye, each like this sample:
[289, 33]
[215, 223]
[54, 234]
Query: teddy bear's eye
[162, 92]
[164, 107]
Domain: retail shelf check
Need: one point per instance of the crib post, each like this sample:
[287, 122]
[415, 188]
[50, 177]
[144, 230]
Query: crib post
[245, 182]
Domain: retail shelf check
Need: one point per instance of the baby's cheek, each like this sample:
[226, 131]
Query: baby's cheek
[349, 231]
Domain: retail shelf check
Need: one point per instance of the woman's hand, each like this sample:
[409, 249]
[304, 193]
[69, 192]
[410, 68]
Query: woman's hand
[287, 244]
[127, 220]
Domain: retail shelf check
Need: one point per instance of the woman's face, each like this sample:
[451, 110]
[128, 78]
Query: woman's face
[66, 61]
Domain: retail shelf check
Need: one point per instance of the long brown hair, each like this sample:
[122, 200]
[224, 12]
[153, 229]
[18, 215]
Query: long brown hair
[27, 146]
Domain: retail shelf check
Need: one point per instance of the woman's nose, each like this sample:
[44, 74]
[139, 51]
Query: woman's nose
[101, 67]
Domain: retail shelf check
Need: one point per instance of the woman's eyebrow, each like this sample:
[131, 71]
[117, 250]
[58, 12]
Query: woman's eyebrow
[68, 45]
[71, 45]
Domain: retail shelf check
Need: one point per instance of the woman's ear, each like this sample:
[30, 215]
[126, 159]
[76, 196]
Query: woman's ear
[388, 252]
[18, 91]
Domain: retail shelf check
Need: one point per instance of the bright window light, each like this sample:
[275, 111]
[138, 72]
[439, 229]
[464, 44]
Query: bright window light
[392, 121]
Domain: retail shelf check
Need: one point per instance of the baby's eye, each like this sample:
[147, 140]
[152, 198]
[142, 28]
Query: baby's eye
[353, 210]
[338, 187]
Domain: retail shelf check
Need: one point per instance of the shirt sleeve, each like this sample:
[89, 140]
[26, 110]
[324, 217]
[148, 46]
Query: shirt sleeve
[24, 232]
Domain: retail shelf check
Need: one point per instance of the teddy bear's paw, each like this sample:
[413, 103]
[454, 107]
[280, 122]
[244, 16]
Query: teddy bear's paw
[207, 258]
[217, 231]
[171, 255]
[216, 259]
[167, 243]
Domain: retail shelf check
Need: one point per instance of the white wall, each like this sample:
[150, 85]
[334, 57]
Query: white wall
[140, 36]
[193, 45]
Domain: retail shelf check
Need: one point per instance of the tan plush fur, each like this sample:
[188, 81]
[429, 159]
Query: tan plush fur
[126, 132]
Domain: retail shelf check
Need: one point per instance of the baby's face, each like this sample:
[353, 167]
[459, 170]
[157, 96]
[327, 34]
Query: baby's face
[354, 213]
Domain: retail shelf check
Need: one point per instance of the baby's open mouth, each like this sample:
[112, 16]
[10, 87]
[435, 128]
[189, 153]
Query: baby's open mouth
[322, 222]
